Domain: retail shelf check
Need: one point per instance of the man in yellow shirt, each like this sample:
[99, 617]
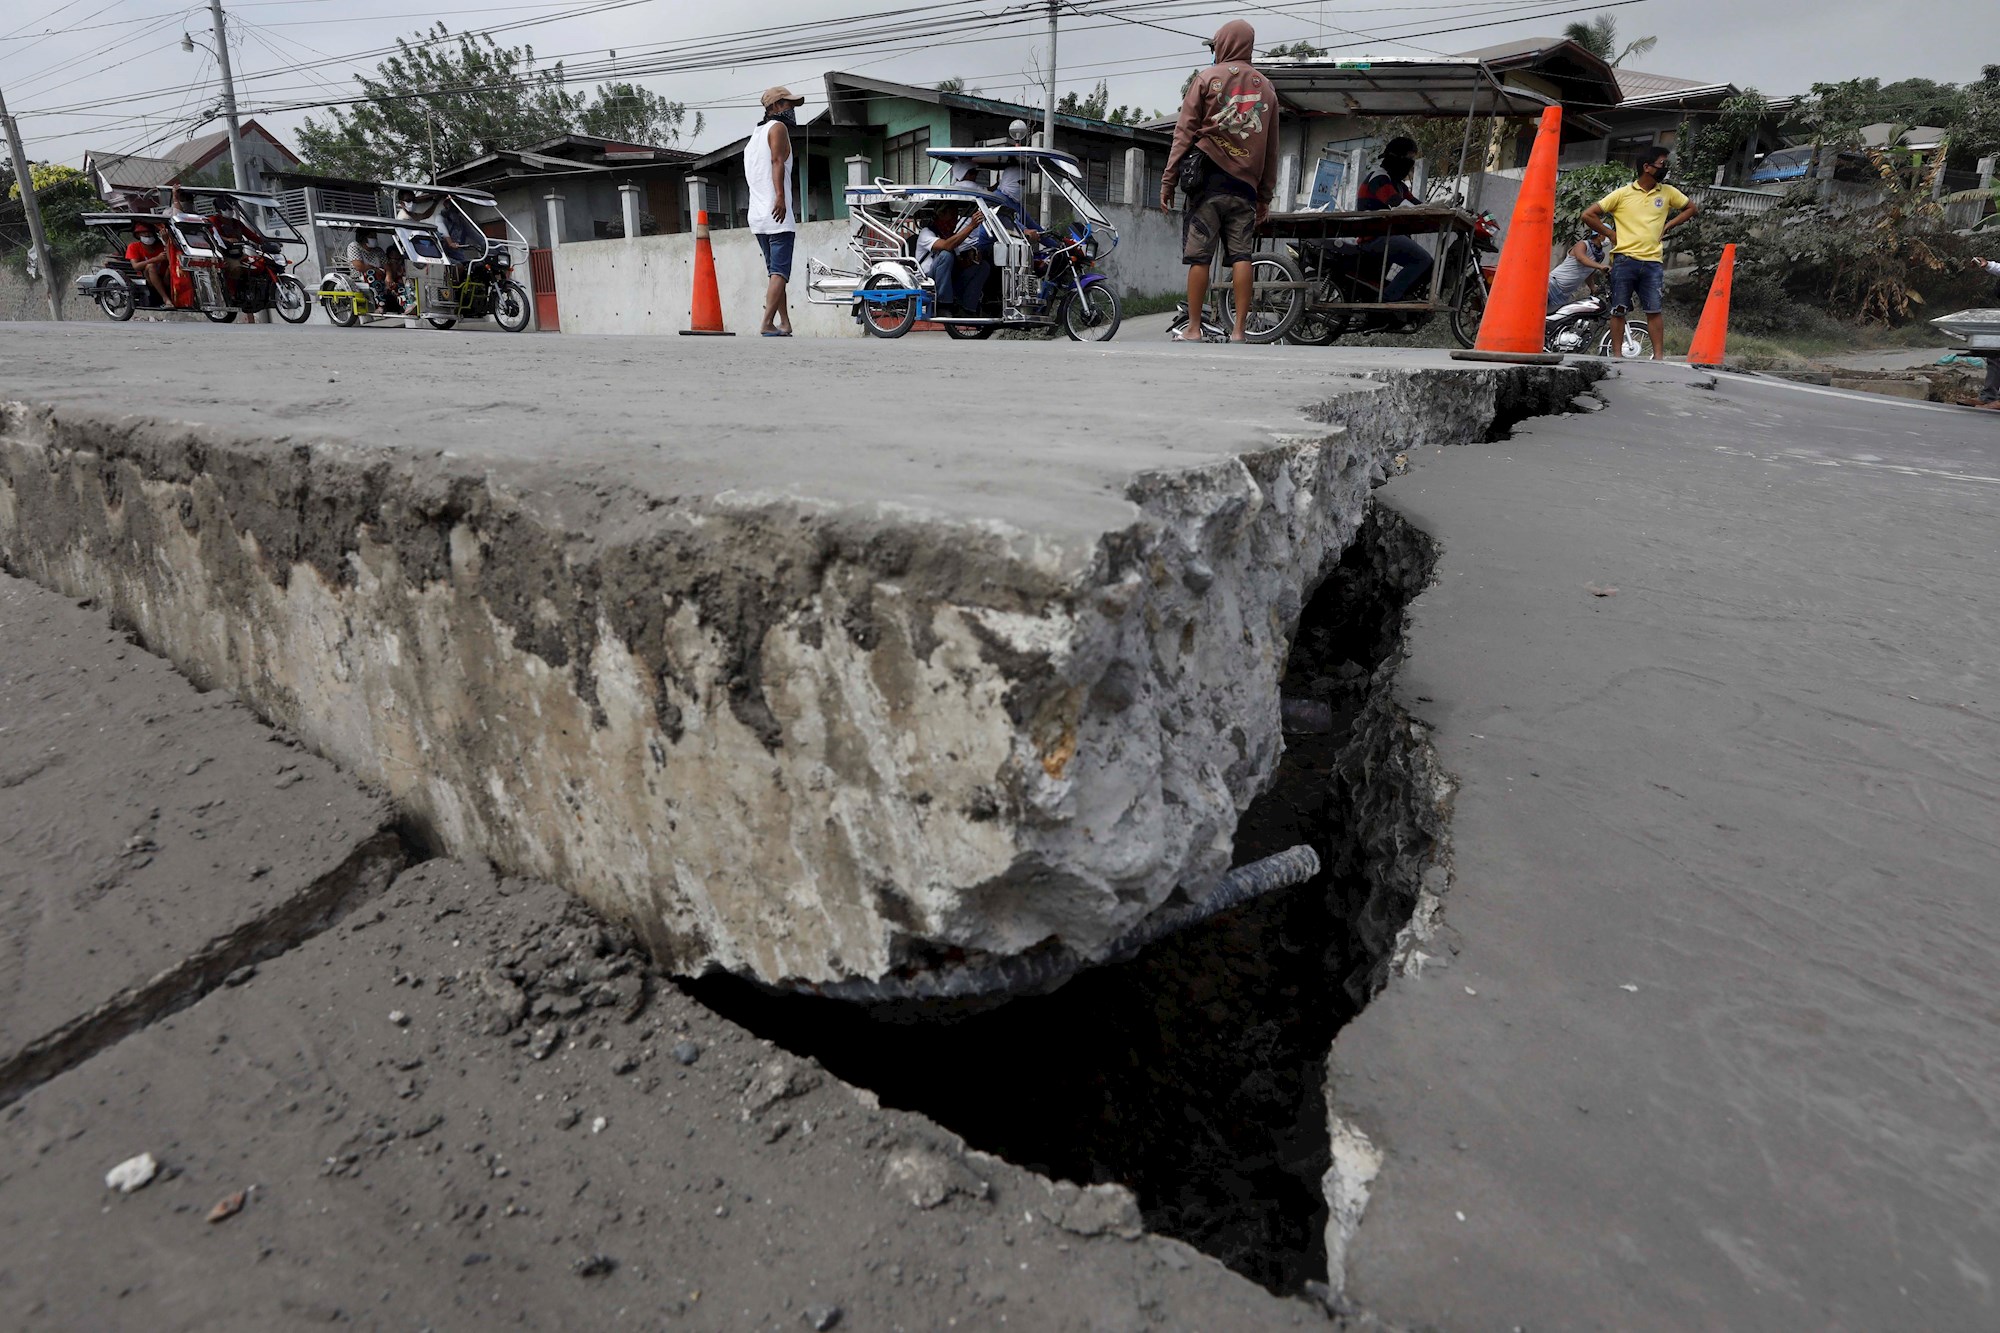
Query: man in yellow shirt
[1645, 211]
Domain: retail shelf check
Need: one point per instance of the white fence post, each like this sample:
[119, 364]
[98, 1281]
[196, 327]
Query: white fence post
[697, 187]
[628, 200]
[555, 203]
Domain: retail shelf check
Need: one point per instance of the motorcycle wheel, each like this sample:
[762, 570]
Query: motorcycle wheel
[114, 297]
[1638, 342]
[219, 316]
[971, 332]
[1271, 314]
[1321, 328]
[291, 302]
[1092, 317]
[887, 319]
[511, 307]
[442, 322]
[1468, 305]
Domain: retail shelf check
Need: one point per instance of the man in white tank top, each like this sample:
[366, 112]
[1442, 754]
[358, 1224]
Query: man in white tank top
[774, 211]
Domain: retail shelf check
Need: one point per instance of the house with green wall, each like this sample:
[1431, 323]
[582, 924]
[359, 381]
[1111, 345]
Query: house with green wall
[892, 125]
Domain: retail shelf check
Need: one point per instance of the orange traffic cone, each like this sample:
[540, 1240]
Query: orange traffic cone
[705, 320]
[1512, 327]
[1711, 336]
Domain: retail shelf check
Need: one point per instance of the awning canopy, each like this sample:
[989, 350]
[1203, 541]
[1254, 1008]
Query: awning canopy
[1398, 86]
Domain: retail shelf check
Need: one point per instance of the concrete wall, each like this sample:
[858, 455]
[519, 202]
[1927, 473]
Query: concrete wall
[1147, 261]
[647, 285]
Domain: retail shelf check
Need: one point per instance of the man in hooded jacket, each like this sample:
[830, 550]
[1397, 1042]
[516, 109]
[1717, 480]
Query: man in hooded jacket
[1229, 116]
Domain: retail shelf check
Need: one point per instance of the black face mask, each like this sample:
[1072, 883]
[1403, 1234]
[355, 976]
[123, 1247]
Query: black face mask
[1660, 172]
[790, 115]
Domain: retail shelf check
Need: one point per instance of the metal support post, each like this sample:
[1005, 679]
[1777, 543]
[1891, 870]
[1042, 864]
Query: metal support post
[38, 243]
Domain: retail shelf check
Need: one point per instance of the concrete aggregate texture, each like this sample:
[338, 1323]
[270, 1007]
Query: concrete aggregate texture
[810, 661]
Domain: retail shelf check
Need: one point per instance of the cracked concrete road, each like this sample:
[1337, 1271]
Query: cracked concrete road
[152, 837]
[1714, 1047]
[463, 1106]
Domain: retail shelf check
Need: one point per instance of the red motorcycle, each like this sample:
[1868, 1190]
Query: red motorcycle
[1346, 278]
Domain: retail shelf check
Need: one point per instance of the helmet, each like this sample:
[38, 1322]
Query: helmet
[1018, 131]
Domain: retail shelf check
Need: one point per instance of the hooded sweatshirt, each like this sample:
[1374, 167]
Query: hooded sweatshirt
[1230, 113]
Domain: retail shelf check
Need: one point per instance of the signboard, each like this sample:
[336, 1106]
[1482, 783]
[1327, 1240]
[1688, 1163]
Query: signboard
[1328, 178]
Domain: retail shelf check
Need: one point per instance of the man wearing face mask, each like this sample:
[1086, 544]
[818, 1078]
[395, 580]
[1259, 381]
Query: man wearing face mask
[1645, 211]
[149, 255]
[774, 211]
[1387, 187]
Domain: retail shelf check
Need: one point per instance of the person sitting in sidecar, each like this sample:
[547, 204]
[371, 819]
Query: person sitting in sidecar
[949, 259]
[153, 259]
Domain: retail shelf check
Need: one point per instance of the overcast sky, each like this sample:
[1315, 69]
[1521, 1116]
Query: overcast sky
[132, 48]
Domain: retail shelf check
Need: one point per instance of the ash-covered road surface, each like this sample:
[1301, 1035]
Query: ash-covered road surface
[1709, 1039]
[465, 1105]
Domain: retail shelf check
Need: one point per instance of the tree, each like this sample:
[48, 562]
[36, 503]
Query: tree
[440, 100]
[64, 195]
[1599, 36]
[632, 114]
[1700, 146]
[1299, 50]
[1097, 106]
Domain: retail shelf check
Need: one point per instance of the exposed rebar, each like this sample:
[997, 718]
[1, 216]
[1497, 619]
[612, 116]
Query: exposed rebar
[1024, 974]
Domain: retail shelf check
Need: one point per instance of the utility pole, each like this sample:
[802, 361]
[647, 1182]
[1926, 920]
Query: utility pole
[38, 244]
[236, 163]
[237, 166]
[1049, 111]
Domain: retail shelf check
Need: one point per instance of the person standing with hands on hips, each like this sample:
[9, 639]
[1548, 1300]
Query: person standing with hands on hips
[774, 211]
[1645, 211]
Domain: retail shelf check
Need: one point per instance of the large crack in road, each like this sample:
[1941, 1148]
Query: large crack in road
[1195, 1073]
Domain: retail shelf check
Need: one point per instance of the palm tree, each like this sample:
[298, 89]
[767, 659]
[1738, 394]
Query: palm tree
[1599, 36]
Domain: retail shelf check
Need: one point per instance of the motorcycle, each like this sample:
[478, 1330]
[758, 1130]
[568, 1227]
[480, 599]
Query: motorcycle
[220, 276]
[1342, 276]
[1583, 326]
[1045, 282]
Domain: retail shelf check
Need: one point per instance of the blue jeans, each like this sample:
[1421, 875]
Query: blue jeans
[1640, 280]
[1412, 260]
[964, 287]
[777, 248]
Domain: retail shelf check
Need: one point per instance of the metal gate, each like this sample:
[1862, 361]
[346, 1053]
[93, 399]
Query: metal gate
[542, 278]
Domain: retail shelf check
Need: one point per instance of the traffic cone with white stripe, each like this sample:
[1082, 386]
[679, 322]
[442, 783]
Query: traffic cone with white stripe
[705, 319]
[1512, 328]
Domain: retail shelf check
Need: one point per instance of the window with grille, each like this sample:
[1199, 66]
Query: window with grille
[1097, 180]
[904, 158]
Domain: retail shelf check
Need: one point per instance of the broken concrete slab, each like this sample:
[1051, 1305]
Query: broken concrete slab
[434, 1172]
[805, 703]
[153, 839]
[1706, 1041]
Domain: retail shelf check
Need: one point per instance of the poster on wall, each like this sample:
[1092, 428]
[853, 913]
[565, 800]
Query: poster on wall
[1328, 177]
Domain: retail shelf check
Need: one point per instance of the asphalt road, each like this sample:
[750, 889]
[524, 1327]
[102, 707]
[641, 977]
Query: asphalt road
[1709, 1041]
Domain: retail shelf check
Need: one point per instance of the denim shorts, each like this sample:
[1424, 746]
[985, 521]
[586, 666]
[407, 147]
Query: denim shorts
[777, 248]
[1637, 281]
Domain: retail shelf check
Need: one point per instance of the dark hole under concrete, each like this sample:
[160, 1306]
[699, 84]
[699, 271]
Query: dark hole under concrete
[1194, 1074]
